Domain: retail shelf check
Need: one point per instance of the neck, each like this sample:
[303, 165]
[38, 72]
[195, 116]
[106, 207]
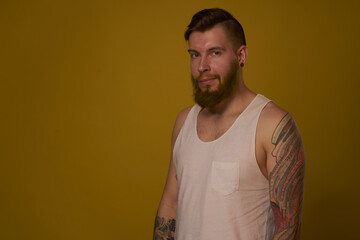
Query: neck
[238, 99]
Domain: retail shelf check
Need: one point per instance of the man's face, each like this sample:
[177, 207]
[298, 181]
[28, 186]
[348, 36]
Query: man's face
[214, 66]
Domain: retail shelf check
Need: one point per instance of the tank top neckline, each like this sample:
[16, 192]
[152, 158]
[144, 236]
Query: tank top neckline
[229, 129]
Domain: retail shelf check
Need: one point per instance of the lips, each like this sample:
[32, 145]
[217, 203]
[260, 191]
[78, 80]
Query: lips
[206, 81]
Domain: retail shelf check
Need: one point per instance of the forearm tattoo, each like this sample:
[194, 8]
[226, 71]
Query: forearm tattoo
[164, 228]
[287, 179]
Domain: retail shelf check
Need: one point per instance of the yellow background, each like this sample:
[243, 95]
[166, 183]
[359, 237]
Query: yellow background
[89, 92]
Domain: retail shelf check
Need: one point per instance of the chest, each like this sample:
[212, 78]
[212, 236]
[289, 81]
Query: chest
[233, 153]
[211, 128]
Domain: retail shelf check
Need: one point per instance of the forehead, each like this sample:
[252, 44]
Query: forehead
[214, 37]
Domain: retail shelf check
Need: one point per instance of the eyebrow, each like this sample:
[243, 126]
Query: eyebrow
[209, 50]
[216, 48]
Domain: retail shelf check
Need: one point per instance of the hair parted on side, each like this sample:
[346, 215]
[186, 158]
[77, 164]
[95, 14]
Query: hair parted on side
[208, 18]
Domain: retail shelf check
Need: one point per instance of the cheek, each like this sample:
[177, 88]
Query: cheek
[194, 69]
[219, 65]
[225, 67]
[221, 70]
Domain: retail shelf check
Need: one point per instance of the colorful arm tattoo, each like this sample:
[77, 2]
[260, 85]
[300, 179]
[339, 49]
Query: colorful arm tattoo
[287, 179]
[164, 228]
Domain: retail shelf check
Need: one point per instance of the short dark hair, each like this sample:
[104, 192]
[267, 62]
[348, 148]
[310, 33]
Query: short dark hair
[208, 18]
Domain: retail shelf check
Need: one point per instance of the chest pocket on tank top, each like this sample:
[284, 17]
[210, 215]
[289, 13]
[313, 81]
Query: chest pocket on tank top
[225, 177]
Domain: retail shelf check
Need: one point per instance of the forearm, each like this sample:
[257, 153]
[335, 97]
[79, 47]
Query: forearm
[286, 228]
[288, 234]
[165, 222]
[164, 228]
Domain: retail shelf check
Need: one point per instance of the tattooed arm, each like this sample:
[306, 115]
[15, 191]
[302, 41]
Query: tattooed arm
[286, 171]
[164, 228]
[165, 221]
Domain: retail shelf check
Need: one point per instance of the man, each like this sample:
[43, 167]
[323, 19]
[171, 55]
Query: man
[237, 167]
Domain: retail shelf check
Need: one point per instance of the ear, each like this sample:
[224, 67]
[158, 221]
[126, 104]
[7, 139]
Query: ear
[241, 54]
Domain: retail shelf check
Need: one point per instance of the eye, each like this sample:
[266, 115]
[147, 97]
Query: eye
[215, 53]
[194, 55]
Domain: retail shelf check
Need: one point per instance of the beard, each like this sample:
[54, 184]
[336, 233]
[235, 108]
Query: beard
[207, 98]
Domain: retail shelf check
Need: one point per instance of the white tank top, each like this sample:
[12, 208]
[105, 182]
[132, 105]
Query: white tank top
[222, 193]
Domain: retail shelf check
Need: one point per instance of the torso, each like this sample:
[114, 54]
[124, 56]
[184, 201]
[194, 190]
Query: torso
[207, 154]
[212, 126]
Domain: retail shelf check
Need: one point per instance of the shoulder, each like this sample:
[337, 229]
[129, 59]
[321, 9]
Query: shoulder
[181, 118]
[275, 123]
[180, 122]
[269, 119]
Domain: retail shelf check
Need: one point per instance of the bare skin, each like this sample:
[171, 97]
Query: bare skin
[166, 214]
[279, 149]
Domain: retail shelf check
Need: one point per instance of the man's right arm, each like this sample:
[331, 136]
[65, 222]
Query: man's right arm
[165, 221]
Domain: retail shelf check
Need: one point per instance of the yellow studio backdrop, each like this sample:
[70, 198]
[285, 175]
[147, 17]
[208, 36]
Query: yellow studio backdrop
[89, 92]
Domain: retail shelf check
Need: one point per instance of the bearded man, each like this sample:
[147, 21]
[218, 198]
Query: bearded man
[238, 162]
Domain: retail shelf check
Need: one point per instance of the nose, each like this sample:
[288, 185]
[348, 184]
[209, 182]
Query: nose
[204, 66]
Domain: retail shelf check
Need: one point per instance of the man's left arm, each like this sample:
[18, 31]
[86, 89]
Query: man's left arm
[286, 178]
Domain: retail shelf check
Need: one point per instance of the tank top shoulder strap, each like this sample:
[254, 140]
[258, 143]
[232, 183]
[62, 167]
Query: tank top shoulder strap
[190, 119]
[189, 124]
[260, 102]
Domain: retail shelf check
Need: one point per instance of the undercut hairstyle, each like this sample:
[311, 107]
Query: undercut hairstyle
[208, 18]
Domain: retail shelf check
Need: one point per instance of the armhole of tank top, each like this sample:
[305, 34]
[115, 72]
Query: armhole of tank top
[267, 101]
[187, 119]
